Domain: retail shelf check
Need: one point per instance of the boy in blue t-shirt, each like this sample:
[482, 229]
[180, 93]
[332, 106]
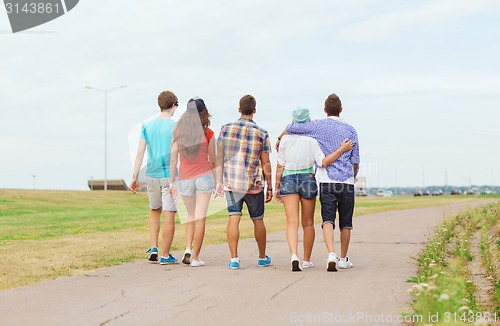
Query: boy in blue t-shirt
[156, 136]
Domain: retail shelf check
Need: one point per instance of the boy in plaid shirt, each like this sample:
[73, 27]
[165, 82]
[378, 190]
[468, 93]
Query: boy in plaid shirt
[242, 157]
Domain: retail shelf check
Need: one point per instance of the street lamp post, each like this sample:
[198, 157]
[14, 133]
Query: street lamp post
[105, 91]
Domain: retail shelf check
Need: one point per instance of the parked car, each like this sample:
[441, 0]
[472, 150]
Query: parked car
[380, 193]
[456, 192]
[388, 193]
[437, 192]
[418, 193]
[426, 193]
[361, 193]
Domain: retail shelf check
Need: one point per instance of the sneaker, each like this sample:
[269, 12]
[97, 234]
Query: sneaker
[168, 260]
[295, 263]
[331, 263]
[152, 254]
[187, 257]
[345, 264]
[197, 263]
[307, 264]
[264, 262]
[234, 265]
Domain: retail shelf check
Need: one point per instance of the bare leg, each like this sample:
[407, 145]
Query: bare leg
[190, 203]
[233, 234]
[345, 238]
[168, 232]
[202, 200]
[259, 231]
[308, 206]
[291, 204]
[154, 226]
[328, 235]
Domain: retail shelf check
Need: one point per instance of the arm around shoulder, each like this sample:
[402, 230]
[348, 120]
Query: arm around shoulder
[347, 145]
[306, 128]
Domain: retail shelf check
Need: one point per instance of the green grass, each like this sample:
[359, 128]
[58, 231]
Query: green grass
[68, 232]
[45, 215]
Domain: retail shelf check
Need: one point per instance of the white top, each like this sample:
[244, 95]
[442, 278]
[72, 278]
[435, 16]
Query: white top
[299, 152]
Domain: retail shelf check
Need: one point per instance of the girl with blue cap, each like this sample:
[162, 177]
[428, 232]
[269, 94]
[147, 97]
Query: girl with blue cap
[296, 185]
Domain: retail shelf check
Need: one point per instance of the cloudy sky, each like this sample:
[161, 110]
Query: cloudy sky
[418, 79]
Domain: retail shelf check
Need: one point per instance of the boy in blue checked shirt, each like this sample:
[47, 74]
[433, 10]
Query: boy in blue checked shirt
[336, 180]
[242, 156]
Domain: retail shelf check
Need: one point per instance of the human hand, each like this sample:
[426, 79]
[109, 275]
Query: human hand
[277, 146]
[173, 190]
[219, 190]
[346, 145]
[277, 195]
[269, 195]
[134, 186]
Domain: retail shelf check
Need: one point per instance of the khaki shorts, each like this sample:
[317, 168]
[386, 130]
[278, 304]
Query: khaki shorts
[159, 194]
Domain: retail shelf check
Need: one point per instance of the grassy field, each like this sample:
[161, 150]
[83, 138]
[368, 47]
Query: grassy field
[48, 234]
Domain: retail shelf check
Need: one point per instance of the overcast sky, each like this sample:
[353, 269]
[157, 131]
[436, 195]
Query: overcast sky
[420, 81]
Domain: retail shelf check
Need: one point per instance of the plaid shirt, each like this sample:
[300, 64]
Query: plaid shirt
[243, 143]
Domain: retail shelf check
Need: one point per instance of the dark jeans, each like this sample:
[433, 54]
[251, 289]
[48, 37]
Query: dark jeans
[333, 197]
[255, 204]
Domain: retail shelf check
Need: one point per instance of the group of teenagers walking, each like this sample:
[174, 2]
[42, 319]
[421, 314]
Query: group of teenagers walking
[314, 157]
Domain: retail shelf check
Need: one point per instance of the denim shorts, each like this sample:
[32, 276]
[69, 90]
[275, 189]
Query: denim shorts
[333, 197]
[255, 204]
[303, 184]
[189, 187]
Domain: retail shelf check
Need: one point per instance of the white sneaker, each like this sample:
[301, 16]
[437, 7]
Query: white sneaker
[187, 257]
[331, 262]
[345, 264]
[307, 264]
[197, 263]
[295, 263]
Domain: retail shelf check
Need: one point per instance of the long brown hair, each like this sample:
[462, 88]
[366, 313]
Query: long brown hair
[190, 132]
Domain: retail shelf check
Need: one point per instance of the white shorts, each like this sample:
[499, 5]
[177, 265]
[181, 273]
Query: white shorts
[159, 194]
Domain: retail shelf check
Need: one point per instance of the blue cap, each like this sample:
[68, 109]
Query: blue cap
[301, 115]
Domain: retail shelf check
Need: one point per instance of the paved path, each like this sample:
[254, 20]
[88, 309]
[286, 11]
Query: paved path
[150, 294]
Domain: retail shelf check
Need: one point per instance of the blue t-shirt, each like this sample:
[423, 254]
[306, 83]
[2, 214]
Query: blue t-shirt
[158, 136]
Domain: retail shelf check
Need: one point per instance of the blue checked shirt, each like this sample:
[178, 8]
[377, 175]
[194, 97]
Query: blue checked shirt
[243, 143]
[330, 133]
